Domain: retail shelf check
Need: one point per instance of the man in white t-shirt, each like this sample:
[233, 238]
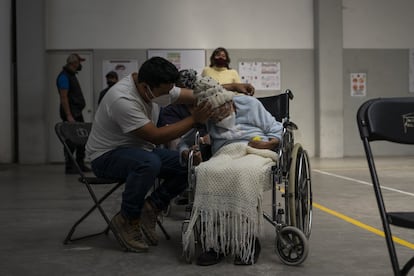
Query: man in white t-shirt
[122, 145]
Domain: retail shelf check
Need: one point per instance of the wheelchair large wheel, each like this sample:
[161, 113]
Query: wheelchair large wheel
[190, 252]
[300, 191]
[291, 245]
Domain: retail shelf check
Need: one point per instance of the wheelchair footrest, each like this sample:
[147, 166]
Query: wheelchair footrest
[402, 219]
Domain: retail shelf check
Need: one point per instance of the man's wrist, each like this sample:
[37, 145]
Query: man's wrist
[193, 121]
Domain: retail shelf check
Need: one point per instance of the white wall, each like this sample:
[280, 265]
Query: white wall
[6, 111]
[243, 24]
[132, 24]
[373, 24]
[377, 36]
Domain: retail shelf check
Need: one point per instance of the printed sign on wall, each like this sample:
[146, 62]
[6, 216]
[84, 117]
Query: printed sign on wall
[182, 59]
[263, 75]
[358, 84]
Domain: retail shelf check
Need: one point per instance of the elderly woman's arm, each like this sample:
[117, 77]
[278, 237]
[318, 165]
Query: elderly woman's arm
[259, 144]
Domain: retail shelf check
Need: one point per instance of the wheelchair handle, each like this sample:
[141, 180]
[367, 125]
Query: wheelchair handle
[290, 94]
[197, 139]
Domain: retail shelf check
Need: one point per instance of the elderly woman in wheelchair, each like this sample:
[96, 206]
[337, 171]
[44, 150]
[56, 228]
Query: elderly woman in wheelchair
[227, 203]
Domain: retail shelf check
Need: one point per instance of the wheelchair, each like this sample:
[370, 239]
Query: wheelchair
[291, 208]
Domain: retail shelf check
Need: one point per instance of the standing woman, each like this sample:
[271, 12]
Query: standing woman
[219, 68]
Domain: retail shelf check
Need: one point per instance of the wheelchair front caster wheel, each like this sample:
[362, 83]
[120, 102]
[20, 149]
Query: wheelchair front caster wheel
[291, 245]
[189, 253]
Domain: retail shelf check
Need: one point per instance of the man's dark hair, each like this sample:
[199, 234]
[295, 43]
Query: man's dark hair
[156, 71]
[112, 74]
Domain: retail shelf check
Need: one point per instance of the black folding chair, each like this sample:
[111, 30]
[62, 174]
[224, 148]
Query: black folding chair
[77, 133]
[392, 120]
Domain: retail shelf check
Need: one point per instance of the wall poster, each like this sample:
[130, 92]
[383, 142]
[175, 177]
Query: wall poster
[263, 75]
[358, 84]
[182, 58]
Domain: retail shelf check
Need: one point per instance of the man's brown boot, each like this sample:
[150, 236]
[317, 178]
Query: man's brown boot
[130, 233]
[149, 217]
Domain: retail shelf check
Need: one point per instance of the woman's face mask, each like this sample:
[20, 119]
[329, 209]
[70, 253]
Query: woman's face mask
[110, 83]
[220, 62]
[229, 122]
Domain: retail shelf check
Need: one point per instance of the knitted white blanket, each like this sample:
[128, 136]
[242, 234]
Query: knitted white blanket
[228, 199]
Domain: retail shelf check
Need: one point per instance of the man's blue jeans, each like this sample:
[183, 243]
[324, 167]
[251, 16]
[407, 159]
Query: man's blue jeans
[140, 169]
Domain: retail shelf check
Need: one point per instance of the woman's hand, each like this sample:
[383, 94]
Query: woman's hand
[197, 158]
[205, 139]
[249, 89]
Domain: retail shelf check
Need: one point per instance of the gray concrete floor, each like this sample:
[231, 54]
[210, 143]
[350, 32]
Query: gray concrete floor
[40, 203]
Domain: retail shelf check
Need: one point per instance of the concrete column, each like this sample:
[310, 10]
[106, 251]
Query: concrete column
[31, 84]
[6, 112]
[328, 77]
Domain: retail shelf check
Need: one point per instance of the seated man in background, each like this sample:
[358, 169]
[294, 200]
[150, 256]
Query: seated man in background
[229, 188]
[176, 112]
[111, 78]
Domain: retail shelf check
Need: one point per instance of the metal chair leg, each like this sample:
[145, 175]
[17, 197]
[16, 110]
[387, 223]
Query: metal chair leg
[97, 205]
[167, 236]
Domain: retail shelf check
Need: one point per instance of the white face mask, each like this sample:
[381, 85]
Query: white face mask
[229, 122]
[163, 100]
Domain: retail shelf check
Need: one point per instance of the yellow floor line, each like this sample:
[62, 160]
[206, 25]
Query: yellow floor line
[362, 225]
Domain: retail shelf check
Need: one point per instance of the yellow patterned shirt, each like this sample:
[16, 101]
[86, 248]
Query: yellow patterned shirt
[222, 75]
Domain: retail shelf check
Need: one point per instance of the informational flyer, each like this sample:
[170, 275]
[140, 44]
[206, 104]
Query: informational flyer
[263, 75]
[123, 67]
[411, 71]
[182, 58]
[358, 84]
[174, 58]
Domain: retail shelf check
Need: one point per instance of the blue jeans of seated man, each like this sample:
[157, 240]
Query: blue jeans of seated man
[140, 169]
